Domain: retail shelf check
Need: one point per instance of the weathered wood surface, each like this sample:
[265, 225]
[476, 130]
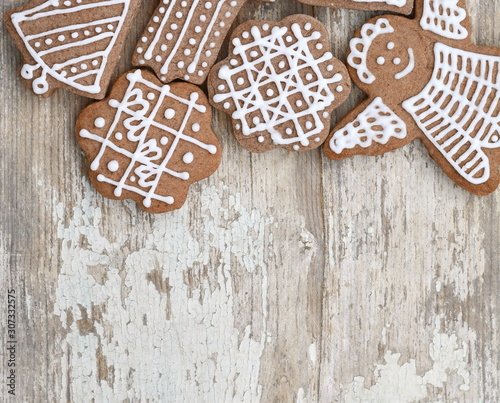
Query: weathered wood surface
[286, 277]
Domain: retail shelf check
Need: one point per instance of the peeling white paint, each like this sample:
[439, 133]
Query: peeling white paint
[312, 353]
[161, 344]
[401, 383]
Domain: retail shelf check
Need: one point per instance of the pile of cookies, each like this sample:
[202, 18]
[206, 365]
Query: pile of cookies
[152, 137]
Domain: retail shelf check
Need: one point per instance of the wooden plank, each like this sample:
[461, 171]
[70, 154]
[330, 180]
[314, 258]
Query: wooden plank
[286, 277]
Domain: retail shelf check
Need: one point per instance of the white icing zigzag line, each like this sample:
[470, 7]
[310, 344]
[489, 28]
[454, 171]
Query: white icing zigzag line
[444, 17]
[441, 120]
[409, 68]
[271, 47]
[40, 85]
[147, 169]
[364, 131]
[360, 47]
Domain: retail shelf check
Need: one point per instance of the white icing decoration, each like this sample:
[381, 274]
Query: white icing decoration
[444, 17]
[99, 122]
[149, 161]
[409, 68]
[275, 108]
[397, 3]
[113, 166]
[377, 123]
[188, 158]
[194, 50]
[53, 60]
[462, 127]
[360, 47]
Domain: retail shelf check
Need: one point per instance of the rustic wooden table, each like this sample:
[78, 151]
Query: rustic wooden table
[285, 277]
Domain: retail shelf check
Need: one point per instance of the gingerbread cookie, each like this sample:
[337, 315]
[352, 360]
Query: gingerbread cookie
[397, 6]
[148, 141]
[183, 38]
[72, 44]
[280, 84]
[425, 79]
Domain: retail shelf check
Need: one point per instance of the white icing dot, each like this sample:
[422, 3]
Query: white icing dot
[288, 131]
[158, 58]
[83, 66]
[187, 52]
[180, 64]
[169, 36]
[245, 35]
[265, 27]
[221, 87]
[340, 88]
[269, 92]
[118, 136]
[178, 14]
[37, 44]
[61, 38]
[48, 41]
[73, 69]
[140, 50]
[309, 76]
[296, 147]
[174, 27]
[86, 32]
[99, 122]
[317, 139]
[164, 140]
[261, 139]
[380, 60]
[113, 166]
[289, 38]
[329, 67]
[169, 113]
[298, 103]
[188, 158]
[256, 120]
[74, 35]
[237, 126]
[67, 3]
[390, 45]
[208, 5]
[162, 10]
[326, 115]
[240, 81]
[196, 127]
[226, 105]
[309, 125]
[156, 19]
[319, 46]
[163, 47]
[98, 30]
[308, 26]
[144, 39]
[396, 61]
[192, 41]
[151, 29]
[110, 27]
[151, 96]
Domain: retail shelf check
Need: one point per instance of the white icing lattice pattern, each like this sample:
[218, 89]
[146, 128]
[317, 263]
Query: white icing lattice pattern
[377, 123]
[444, 17]
[459, 109]
[149, 162]
[267, 71]
[54, 50]
[183, 38]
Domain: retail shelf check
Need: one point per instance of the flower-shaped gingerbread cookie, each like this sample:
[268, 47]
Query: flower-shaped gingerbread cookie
[280, 84]
[148, 141]
[425, 79]
[397, 6]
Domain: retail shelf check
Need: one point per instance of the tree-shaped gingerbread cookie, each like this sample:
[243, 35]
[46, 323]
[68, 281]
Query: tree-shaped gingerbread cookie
[425, 79]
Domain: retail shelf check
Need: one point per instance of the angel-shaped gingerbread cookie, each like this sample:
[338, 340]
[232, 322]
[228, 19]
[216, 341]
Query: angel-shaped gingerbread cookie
[425, 79]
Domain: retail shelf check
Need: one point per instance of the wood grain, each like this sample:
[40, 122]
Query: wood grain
[285, 277]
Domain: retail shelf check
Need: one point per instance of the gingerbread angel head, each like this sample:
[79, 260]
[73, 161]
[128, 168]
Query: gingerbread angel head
[425, 79]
